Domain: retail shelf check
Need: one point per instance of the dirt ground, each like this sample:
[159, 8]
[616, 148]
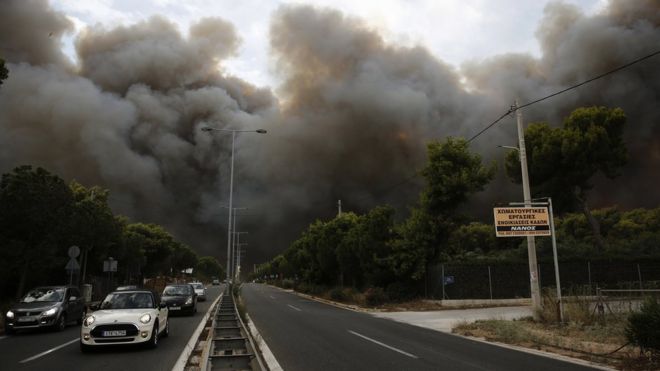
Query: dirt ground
[603, 343]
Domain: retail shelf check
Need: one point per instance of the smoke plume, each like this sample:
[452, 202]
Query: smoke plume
[349, 121]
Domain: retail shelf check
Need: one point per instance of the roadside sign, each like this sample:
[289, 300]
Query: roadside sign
[521, 221]
[110, 265]
[74, 251]
[72, 265]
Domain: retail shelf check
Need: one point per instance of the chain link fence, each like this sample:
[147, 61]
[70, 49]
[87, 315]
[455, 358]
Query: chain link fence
[510, 281]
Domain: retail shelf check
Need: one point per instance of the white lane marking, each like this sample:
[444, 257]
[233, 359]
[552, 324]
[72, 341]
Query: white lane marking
[296, 308]
[272, 297]
[384, 345]
[49, 351]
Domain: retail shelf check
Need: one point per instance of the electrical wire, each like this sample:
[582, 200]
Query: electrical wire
[513, 109]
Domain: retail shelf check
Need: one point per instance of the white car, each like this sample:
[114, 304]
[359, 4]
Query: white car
[200, 290]
[126, 317]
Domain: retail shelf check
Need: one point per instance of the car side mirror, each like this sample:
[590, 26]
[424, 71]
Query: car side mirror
[73, 298]
[162, 305]
[94, 307]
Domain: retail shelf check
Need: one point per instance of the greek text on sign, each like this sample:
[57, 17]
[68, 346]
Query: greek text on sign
[521, 221]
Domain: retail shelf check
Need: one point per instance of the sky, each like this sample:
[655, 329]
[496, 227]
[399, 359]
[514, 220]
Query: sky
[351, 93]
[455, 31]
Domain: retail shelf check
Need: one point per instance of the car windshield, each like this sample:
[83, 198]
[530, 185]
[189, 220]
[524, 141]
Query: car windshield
[177, 291]
[198, 286]
[127, 300]
[44, 294]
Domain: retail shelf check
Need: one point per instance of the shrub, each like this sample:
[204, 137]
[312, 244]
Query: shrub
[287, 283]
[398, 292]
[337, 294]
[643, 327]
[375, 296]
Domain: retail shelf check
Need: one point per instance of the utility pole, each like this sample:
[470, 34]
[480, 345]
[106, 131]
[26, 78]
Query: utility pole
[339, 208]
[527, 198]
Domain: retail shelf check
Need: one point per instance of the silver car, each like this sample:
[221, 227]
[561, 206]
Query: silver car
[200, 290]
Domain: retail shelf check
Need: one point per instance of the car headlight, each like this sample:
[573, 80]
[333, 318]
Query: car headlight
[145, 318]
[10, 314]
[89, 320]
[189, 300]
[50, 312]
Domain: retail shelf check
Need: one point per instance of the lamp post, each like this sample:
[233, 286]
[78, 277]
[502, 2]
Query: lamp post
[237, 260]
[233, 132]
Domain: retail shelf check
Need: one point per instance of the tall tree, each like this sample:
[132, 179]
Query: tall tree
[208, 267]
[563, 161]
[93, 227]
[452, 175]
[34, 208]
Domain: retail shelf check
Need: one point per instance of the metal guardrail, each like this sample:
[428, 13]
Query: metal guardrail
[232, 346]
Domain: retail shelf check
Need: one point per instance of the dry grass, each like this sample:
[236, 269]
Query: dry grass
[591, 342]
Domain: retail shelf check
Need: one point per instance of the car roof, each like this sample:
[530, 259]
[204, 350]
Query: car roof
[53, 287]
[132, 291]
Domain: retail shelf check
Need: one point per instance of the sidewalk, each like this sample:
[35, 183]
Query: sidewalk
[444, 320]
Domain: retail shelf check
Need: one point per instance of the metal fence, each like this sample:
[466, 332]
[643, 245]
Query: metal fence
[508, 281]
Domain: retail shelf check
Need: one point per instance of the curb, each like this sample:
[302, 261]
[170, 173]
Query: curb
[498, 344]
[190, 346]
[537, 352]
[267, 355]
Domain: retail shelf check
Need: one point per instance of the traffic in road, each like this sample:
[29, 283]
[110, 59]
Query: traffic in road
[307, 335]
[48, 350]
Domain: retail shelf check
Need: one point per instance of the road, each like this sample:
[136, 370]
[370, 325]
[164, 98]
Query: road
[46, 350]
[307, 335]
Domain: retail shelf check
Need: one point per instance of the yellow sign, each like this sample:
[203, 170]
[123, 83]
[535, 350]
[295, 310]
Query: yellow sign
[521, 221]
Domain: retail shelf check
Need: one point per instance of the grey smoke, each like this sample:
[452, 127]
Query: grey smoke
[351, 119]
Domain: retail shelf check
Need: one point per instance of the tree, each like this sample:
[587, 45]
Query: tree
[3, 71]
[183, 257]
[563, 161]
[452, 175]
[156, 244]
[34, 208]
[208, 266]
[92, 226]
[372, 235]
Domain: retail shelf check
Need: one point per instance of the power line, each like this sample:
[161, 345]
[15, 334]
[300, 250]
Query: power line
[511, 110]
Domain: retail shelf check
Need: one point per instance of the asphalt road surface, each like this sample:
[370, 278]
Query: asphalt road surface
[307, 335]
[47, 350]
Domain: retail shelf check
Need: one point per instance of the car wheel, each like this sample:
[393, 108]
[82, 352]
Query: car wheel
[60, 325]
[166, 331]
[84, 347]
[80, 319]
[153, 340]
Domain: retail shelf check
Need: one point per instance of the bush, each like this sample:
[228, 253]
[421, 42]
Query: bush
[375, 296]
[337, 294]
[398, 292]
[643, 327]
[287, 283]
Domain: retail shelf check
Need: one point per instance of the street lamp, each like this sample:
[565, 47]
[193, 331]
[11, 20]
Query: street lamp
[233, 132]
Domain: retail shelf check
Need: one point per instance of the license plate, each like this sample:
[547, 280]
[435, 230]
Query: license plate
[175, 308]
[115, 333]
[26, 319]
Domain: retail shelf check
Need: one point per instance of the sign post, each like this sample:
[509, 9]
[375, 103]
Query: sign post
[536, 219]
[72, 265]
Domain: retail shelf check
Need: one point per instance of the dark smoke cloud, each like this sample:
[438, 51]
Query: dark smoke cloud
[353, 116]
